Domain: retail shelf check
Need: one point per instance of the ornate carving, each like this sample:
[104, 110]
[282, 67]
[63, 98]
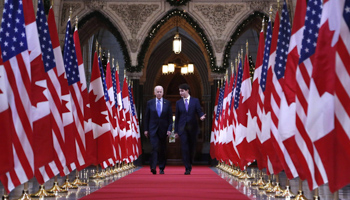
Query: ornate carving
[65, 11]
[133, 43]
[219, 45]
[219, 15]
[258, 5]
[95, 4]
[134, 15]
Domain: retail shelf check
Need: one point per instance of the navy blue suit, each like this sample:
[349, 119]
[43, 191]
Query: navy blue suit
[186, 125]
[157, 127]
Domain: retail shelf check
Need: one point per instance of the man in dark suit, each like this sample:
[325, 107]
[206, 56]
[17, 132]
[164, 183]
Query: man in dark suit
[158, 123]
[186, 125]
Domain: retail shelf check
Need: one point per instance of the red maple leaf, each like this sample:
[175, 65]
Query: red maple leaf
[37, 94]
[97, 107]
[64, 106]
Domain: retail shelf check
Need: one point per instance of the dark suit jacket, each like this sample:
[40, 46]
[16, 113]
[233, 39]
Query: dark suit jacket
[182, 116]
[152, 122]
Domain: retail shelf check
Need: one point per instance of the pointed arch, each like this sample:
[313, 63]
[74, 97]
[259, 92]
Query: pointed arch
[95, 21]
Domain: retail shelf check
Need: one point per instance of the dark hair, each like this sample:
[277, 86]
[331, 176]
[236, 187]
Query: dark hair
[184, 86]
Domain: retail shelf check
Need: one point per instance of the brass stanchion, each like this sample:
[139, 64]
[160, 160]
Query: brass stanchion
[260, 182]
[300, 195]
[42, 193]
[268, 185]
[67, 185]
[5, 196]
[25, 194]
[288, 194]
[96, 175]
[77, 181]
[316, 197]
[277, 189]
[56, 188]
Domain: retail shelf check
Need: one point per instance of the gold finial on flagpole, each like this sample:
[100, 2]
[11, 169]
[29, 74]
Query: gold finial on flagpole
[96, 46]
[232, 66]
[236, 61]
[113, 63]
[109, 56]
[125, 74]
[100, 51]
[270, 12]
[278, 4]
[246, 46]
[76, 22]
[263, 24]
[70, 12]
[117, 66]
[218, 83]
[51, 3]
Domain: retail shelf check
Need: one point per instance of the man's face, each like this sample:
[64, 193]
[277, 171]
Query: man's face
[158, 92]
[183, 93]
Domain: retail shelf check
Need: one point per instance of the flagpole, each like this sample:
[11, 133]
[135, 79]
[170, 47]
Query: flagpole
[316, 194]
[25, 195]
[300, 195]
[5, 196]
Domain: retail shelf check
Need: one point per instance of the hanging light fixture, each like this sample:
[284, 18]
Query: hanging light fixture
[190, 68]
[171, 67]
[165, 69]
[177, 40]
[184, 70]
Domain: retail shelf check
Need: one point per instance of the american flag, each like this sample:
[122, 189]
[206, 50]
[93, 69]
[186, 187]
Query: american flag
[84, 92]
[73, 78]
[276, 92]
[217, 118]
[342, 94]
[303, 76]
[103, 78]
[287, 118]
[134, 124]
[238, 84]
[46, 172]
[15, 56]
[261, 112]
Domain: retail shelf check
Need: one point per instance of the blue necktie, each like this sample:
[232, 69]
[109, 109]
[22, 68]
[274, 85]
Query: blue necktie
[159, 108]
[186, 104]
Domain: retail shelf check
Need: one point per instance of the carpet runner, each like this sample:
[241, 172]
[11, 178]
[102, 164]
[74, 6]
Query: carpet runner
[203, 183]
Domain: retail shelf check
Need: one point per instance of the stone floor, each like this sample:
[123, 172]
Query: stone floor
[242, 185]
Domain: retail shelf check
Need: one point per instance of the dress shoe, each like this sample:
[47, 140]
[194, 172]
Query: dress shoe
[187, 172]
[154, 171]
[161, 171]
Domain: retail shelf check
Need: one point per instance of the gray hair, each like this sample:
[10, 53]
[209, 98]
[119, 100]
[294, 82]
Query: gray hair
[158, 86]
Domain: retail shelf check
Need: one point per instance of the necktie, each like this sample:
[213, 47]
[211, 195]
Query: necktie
[186, 104]
[159, 108]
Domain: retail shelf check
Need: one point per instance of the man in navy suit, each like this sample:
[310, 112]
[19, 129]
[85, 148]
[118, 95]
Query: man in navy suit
[186, 125]
[158, 123]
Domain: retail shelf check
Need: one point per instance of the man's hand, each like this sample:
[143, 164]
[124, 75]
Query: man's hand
[176, 135]
[146, 134]
[203, 117]
[168, 133]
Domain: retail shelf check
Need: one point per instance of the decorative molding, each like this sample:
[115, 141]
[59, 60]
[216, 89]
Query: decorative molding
[219, 15]
[95, 4]
[258, 6]
[133, 43]
[219, 45]
[134, 15]
[65, 11]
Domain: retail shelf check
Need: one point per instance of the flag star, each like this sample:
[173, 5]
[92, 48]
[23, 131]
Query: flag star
[347, 9]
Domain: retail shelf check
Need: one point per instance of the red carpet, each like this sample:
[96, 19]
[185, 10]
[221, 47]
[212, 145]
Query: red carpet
[203, 183]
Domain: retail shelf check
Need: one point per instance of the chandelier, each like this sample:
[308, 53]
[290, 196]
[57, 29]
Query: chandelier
[184, 70]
